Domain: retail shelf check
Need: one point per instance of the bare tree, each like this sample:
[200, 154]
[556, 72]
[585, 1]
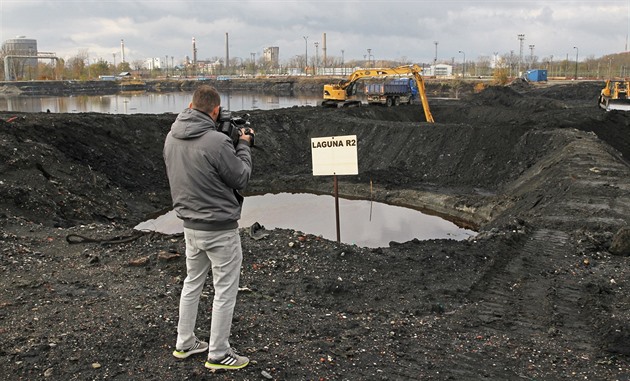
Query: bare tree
[484, 64]
[76, 65]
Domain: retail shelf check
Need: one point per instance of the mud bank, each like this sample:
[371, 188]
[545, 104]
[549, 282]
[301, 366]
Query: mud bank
[540, 293]
[278, 85]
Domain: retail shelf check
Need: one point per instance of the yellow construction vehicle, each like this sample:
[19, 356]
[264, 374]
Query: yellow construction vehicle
[615, 95]
[343, 94]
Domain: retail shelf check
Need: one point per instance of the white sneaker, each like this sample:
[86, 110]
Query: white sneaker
[198, 347]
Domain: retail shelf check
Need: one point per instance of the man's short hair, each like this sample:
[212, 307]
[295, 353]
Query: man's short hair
[206, 98]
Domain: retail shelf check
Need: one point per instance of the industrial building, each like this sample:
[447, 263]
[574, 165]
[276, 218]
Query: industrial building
[271, 56]
[20, 58]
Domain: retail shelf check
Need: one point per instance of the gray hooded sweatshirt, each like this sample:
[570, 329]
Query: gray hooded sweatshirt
[205, 172]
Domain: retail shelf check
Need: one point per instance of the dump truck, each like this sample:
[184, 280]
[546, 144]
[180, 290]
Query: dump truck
[615, 95]
[343, 94]
[392, 92]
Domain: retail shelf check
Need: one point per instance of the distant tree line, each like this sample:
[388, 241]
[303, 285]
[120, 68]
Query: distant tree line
[502, 68]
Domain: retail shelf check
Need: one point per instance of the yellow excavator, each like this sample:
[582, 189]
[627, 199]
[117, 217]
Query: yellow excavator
[615, 95]
[343, 94]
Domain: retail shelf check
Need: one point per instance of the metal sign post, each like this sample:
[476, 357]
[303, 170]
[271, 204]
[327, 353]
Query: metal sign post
[336, 186]
[335, 155]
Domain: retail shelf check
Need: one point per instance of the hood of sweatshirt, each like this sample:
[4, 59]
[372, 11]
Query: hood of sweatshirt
[191, 124]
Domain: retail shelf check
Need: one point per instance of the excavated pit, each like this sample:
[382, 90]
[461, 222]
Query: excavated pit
[540, 171]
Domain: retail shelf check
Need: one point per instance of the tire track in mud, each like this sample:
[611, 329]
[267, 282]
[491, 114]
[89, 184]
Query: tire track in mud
[515, 289]
[529, 293]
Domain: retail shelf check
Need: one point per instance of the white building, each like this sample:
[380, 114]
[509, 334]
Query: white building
[154, 63]
[439, 70]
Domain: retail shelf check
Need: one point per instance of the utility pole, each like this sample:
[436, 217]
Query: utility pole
[577, 51]
[531, 56]
[306, 55]
[343, 69]
[324, 56]
[521, 38]
[316, 57]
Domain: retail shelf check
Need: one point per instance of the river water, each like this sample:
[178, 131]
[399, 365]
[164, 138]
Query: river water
[148, 103]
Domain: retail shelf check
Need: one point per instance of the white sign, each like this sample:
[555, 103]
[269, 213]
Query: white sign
[335, 155]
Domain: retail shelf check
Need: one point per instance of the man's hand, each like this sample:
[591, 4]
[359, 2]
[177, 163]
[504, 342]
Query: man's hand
[248, 135]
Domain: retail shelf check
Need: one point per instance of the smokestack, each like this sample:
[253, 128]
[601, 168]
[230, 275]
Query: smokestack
[122, 50]
[227, 52]
[194, 47]
[324, 48]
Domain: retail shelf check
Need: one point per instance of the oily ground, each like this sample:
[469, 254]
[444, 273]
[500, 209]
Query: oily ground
[541, 293]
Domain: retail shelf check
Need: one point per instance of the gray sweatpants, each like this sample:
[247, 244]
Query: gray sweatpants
[222, 251]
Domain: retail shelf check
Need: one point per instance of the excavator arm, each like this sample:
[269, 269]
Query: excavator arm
[423, 97]
[339, 95]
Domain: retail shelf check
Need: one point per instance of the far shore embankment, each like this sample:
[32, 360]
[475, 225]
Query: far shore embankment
[280, 85]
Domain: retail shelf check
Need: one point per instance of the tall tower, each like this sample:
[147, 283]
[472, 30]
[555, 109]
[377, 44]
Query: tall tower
[194, 61]
[227, 52]
[435, 58]
[194, 51]
[122, 50]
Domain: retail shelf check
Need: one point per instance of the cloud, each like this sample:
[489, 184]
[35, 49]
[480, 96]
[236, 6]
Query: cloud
[391, 29]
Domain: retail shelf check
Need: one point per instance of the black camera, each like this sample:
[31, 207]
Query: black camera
[234, 126]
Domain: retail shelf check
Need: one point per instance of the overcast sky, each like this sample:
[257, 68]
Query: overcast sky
[393, 29]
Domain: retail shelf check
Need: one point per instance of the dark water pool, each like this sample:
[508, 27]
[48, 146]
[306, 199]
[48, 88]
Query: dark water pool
[364, 223]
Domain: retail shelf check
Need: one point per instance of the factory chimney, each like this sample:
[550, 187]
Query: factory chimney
[227, 54]
[194, 51]
[122, 50]
[194, 62]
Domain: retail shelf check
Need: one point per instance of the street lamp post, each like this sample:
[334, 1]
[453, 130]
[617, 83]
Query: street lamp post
[238, 67]
[316, 57]
[521, 38]
[577, 51]
[609, 66]
[306, 55]
[464, 66]
[368, 57]
[343, 69]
